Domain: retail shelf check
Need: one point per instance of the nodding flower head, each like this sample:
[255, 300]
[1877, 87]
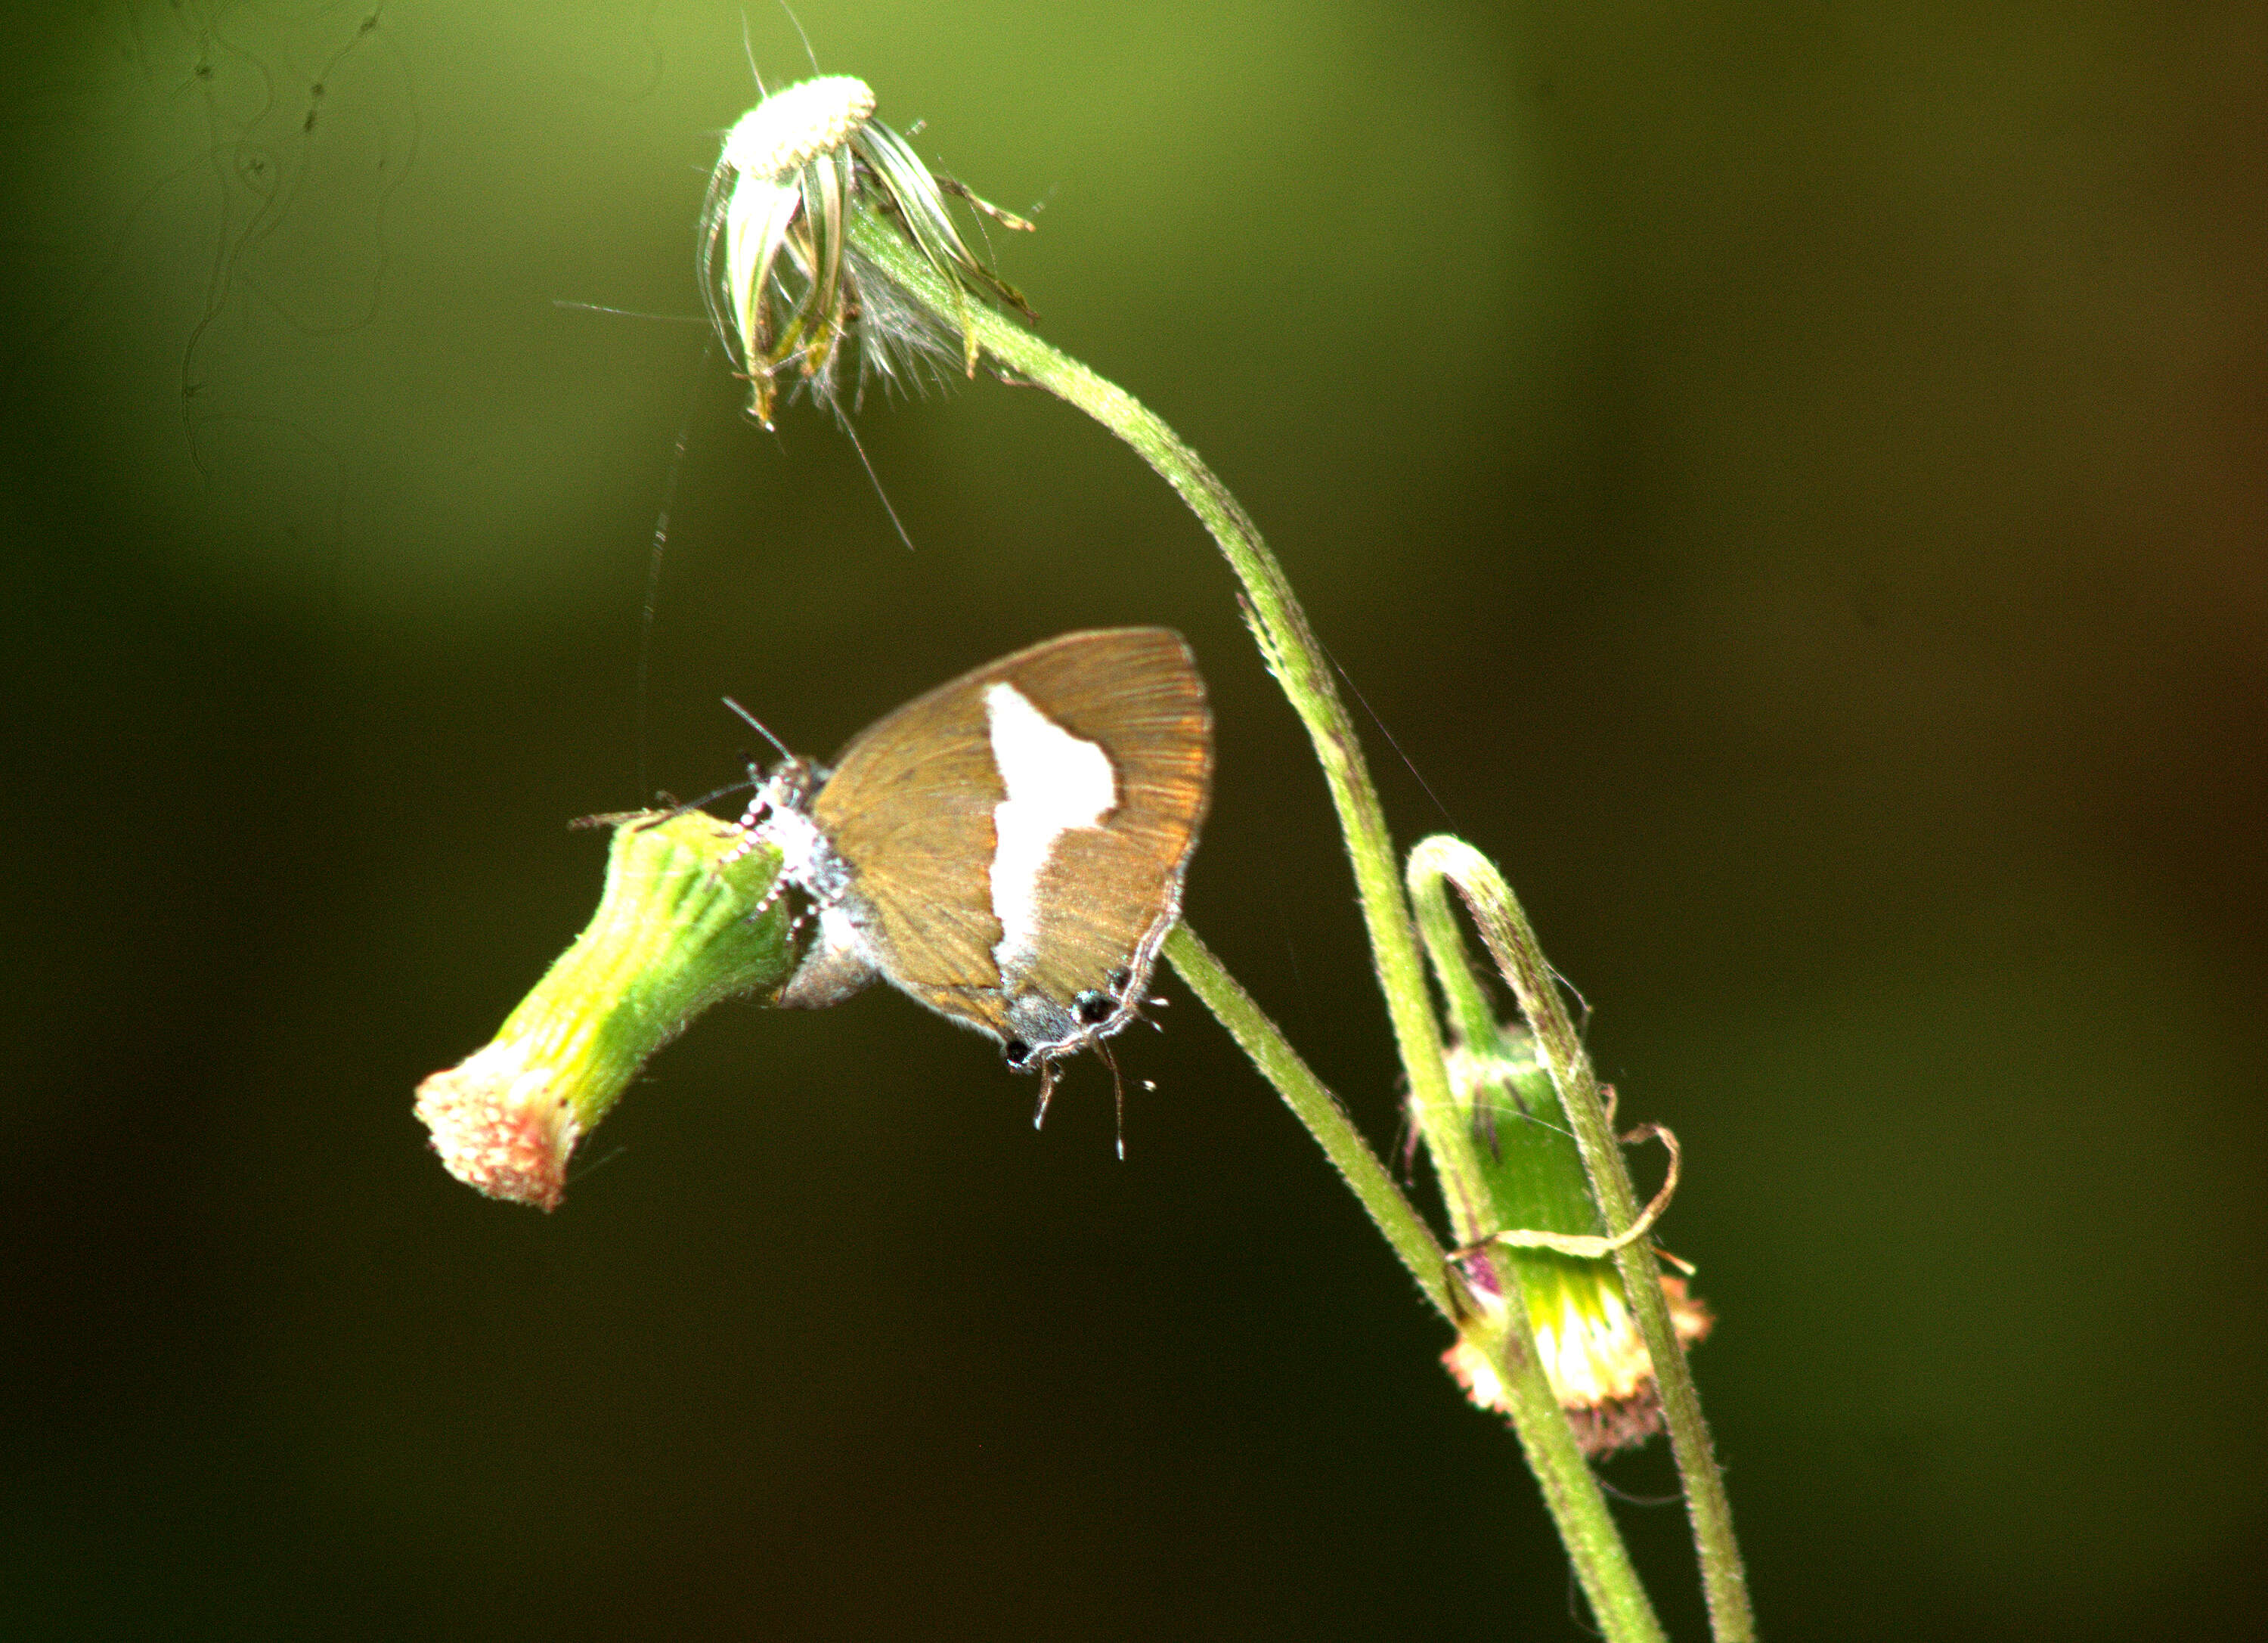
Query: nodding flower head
[1589, 1344]
[1528, 1175]
[781, 278]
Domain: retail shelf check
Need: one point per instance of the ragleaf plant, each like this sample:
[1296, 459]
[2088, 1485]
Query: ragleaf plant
[821, 229]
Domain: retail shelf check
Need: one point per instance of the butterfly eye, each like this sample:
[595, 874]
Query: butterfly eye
[1095, 1008]
[1018, 1052]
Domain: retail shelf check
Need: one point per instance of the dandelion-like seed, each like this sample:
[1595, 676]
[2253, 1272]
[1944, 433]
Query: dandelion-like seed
[782, 282]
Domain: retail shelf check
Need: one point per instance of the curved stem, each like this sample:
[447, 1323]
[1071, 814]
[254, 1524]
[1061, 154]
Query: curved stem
[1286, 641]
[1315, 1107]
[1504, 1334]
[1290, 649]
[1511, 942]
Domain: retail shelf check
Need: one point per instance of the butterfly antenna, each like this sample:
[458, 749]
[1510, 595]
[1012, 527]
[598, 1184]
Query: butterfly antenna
[1047, 1092]
[667, 816]
[758, 726]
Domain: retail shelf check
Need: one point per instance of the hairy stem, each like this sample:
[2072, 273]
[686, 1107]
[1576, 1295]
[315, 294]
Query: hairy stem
[1511, 942]
[1292, 654]
[1319, 1109]
[1286, 641]
[1507, 1336]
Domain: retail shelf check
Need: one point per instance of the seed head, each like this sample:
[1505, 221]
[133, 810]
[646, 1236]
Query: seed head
[781, 279]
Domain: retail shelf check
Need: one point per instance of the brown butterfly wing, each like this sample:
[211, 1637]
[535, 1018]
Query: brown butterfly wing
[910, 807]
[1113, 892]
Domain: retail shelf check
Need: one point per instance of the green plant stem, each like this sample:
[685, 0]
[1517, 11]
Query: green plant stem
[1571, 1490]
[1285, 640]
[1289, 647]
[1586, 1527]
[1511, 942]
[1315, 1107]
[1470, 1004]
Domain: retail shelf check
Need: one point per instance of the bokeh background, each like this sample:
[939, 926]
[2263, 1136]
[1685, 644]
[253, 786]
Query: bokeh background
[1790, 479]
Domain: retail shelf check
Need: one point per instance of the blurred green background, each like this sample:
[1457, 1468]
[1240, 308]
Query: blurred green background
[1790, 479]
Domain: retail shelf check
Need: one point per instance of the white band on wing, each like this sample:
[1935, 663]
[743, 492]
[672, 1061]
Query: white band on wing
[1054, 782]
